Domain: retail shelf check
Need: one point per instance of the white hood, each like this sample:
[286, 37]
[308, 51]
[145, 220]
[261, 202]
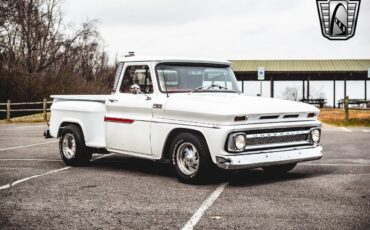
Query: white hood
[222, 108]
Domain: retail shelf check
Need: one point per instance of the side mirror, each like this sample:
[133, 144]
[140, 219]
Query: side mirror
[135, 89]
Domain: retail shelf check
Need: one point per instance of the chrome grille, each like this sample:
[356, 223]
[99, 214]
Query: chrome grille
[272, 138]
[276, 139]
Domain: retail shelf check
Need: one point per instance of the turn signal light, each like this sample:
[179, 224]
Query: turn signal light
[311, 115]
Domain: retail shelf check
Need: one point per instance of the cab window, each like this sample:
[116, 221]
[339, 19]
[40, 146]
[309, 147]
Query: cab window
[140, 75]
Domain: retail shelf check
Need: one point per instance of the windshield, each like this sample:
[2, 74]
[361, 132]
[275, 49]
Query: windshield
[196, 78]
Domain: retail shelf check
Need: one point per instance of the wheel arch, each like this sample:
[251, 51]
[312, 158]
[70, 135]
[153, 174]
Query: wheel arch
[66, 123]
[173, 133]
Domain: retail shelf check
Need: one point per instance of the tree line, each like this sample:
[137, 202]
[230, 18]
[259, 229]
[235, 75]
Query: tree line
[40, 55]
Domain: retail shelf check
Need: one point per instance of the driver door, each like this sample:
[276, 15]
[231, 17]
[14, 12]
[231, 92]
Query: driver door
[129, 115]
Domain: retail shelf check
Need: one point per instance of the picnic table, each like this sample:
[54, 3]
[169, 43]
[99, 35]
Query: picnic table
[357, 102]
[319, 101]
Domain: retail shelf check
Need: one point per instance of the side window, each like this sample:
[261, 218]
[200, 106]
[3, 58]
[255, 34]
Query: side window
[140, 75]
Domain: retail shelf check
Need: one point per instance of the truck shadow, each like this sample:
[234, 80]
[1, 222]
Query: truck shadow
[134, 165]
[259, 177]
[236, 178]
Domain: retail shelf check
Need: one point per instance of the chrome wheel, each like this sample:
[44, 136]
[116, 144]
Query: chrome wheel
[69, 146]
[187, 158]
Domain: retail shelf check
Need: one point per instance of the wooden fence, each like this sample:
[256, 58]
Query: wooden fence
[9, 108]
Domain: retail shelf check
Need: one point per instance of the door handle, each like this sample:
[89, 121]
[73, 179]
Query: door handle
[112, 100]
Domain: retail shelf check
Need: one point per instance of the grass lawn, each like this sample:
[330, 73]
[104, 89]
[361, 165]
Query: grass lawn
[35, 118]
[336, 117]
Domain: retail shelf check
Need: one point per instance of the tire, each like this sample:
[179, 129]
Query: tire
[72, 147]
[190, 158]
[279, 169]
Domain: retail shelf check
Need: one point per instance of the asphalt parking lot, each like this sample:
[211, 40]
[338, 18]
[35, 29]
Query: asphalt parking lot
[37, 191]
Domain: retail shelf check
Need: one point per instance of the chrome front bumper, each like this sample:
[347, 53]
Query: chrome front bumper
[267, 158]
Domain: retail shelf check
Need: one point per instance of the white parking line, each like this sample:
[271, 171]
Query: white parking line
[366, 130]
[26, 146]
[340, 164]
[203, 208]
[102, 156]
[31, 177]
[51, 160]
[345, 129]
[44, 174]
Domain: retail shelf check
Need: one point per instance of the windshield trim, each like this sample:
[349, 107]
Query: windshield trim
[212, 65]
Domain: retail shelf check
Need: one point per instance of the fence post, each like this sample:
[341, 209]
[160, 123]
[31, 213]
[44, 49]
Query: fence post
[44, 104]
[346, 115]
[8, 111]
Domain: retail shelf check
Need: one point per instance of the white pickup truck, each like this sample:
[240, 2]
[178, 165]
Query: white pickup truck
[189, 112]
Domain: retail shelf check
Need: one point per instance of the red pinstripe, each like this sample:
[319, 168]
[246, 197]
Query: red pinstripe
[119, 120]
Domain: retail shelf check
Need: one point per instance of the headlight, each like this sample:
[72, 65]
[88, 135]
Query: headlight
[240, 141]
[315, 135]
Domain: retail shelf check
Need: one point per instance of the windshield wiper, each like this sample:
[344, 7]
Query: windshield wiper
[196, 89]
[208, 87]
[216, 85]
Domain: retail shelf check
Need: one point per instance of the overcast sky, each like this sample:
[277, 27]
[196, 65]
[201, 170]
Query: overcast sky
[227, 29]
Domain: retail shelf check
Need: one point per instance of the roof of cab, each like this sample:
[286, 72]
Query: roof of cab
[174, 59]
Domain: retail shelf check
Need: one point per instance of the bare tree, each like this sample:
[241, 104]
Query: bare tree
[318, 93]
[33, 39]
[36, 50]
[31, 35]
[291, 93]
